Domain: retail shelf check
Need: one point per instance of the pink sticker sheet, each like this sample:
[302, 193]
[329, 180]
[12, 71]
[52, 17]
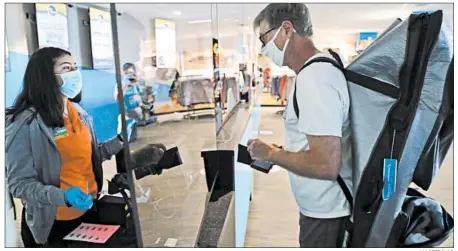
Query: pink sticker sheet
[94, 233]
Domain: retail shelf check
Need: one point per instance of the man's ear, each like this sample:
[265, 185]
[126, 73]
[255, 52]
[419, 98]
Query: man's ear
[288, 28]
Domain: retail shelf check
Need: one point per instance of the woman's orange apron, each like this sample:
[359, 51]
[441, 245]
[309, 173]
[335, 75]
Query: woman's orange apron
[74, 143]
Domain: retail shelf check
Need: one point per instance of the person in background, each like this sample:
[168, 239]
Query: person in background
[129, 71]
[175, 82]
[137, 107]
[317, 149]
[52, 156]
[173, 88]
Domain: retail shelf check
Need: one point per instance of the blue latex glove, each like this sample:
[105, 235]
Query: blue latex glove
[77, 199]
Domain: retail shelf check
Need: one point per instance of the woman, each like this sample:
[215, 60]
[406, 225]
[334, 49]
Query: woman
[10, 236]
[53, 159]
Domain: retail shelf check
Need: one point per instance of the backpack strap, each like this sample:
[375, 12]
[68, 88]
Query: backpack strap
[337, 62]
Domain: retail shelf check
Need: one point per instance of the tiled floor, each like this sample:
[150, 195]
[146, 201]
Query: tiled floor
[273, 218]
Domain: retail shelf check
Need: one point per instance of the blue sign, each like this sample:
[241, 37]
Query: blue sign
[367, 35]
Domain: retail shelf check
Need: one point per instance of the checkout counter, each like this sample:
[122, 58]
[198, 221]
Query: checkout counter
[229, 183]
[190, 199]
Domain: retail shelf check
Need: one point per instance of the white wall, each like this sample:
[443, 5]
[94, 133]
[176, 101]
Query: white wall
[130, 34]
[79, 35]
[16, 28]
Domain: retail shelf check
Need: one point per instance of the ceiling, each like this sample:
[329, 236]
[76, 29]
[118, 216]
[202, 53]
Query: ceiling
[345, 17]
[330, 21]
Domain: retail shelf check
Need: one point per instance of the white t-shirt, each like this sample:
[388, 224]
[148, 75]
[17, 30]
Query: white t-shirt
[323, 100]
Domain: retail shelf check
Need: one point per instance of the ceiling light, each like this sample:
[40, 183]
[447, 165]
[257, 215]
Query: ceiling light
[178, 13]
[236, 20]
[200, 21]
[249, 18]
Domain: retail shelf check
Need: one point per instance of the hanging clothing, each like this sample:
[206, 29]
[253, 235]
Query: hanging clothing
[74, 144]
[276, 86]
[230, 83]
[195, 91]
[282, 86]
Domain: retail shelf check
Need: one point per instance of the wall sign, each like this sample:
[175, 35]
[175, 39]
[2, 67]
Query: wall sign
[101, 39]
[165, 43]
[52, 25]
[364, 39]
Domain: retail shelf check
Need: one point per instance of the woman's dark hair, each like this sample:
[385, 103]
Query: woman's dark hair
[127, 66]
[40, 88]
[77, 98]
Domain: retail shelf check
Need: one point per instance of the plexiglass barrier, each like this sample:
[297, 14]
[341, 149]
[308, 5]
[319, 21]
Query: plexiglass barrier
[167, 84]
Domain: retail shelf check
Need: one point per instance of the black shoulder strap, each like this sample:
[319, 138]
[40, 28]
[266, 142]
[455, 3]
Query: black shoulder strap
[336, 63]
[339, 65]
[346, 191]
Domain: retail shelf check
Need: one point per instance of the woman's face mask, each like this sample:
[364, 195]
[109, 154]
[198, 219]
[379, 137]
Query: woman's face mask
[72, 83]
[272, 52]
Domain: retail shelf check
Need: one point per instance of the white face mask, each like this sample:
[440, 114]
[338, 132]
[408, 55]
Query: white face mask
[272, 52]
[72, 83]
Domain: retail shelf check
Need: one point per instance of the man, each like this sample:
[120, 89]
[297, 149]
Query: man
[317, 144]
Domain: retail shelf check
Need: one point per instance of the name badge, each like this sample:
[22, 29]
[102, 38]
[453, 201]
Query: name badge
[60, 132]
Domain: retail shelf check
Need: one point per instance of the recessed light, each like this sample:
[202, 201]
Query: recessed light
[236, 20]
[249, 18]
[178, 13]
[200, 21]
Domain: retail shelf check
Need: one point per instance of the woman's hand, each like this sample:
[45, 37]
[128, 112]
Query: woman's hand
[77, 199]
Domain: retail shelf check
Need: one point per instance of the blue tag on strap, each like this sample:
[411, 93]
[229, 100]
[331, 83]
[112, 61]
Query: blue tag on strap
[390, 167]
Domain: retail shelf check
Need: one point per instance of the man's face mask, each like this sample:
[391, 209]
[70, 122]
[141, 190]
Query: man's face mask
[272, 52]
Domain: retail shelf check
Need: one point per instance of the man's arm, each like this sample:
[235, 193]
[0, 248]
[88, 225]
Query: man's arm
[321, 118]
[322, 161]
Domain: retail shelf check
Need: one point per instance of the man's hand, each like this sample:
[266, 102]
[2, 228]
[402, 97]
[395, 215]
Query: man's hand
[260, 150]
[321, 161]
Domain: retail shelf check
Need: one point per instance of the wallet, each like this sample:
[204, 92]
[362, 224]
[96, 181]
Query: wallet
[244, 157]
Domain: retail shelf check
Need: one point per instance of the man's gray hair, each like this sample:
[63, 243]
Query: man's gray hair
[297, 13]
